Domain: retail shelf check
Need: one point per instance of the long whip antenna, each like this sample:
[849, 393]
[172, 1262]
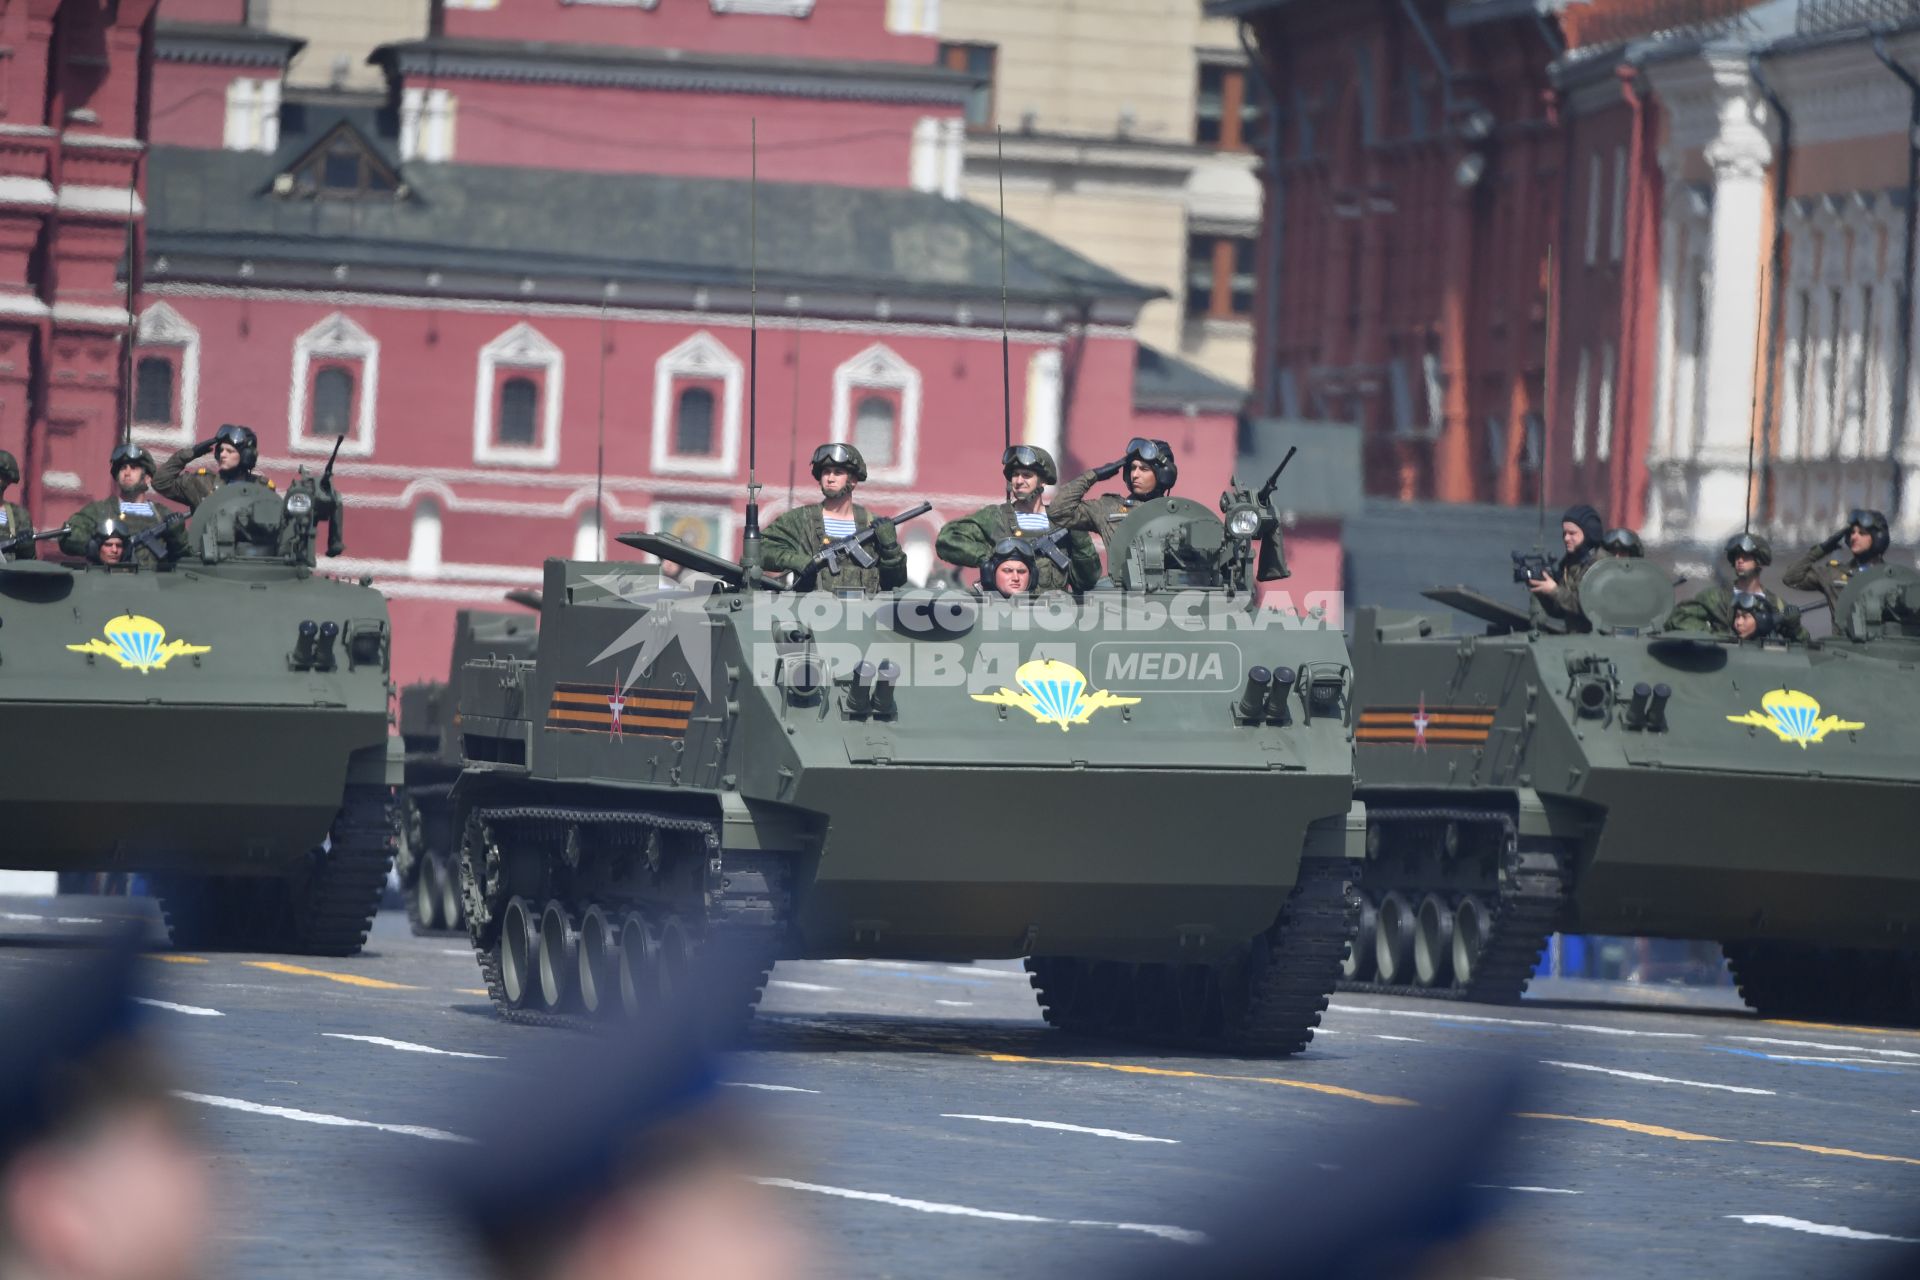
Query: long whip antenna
[600, 446]
[750, 553]
[129, 365]
[1540, 463]
[1006, 357]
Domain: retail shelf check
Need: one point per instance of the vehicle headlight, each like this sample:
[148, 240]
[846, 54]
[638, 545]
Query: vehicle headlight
[1243, 522]
[299, 504]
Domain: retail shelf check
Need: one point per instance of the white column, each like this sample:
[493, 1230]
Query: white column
[924, 173]
[1042, 423]
[240, 108]
[1739, 156]
[953, 156]
[412, 100]
[269, 133]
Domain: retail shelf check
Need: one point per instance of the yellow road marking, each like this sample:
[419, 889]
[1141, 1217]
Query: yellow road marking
[470, 991]
[1838, 1026]
[1836, 1151]
[1378, 1099]
[1631, 1126]
[350, 979]
[164, 958]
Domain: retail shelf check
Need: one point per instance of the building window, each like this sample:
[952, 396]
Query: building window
[876, 401]
[1580, 389]
[517, 424]
[693, 423]
[426, 124]
[875, 424]
[341, 165]
[166, 388]
[517, 398]
[253, 115]
[1224, 110]
[336, 374]
[1220, 277]
[1603, 420]
[697, 398]
[976, 60]
[153, 392]
[424, 541]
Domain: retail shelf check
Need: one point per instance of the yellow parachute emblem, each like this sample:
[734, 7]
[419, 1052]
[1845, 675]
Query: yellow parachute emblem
[1794, 717]
[138, 644]
[1054, 693]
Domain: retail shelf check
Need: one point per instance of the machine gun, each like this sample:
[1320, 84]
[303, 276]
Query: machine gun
[336, 538]
[1048, 545]
[9, 545]
[854, 548]
[153, 538]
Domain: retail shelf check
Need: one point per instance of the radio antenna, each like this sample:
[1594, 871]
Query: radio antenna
[130, 366]
[1006, 358]
[750, 537]
[600, 444]
[1540, 475]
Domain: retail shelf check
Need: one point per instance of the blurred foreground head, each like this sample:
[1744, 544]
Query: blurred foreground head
[99, 1179]
[617, 1158]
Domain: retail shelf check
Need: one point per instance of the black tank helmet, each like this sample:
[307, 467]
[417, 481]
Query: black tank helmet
[1157, 454]
[1030, 456]
[130, 453]
[1749, 544]
[1757, 604]
[241, 438]
[105, 532]
[1624, 542]
[1009, 549]
[841, 455]
[1874, 523]
[9, 469]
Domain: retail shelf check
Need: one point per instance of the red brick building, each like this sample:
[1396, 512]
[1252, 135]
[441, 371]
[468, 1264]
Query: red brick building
[518, 285]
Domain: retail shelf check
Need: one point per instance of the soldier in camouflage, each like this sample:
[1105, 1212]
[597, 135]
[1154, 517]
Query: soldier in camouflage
[1010, 569]
[1150, 472]
[1623, 544]
[1754, 617]
[235, 451]
[970, 540]
[1864, 537]
[132, 507]
[1713, 609]
[14, 520]
[795, 537]
[1556, 595]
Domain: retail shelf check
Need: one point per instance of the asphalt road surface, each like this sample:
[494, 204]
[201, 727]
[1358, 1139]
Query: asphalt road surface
[930, 1125]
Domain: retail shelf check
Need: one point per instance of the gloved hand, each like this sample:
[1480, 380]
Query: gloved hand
[1109, 470]
[883, 533]
[205, 446]
[1834, 541]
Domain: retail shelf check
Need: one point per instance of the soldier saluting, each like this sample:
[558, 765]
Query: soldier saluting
[1865, 537]
[1149, 471]
[971, 540]
[796, 537]
[235, 451]
[131, 508]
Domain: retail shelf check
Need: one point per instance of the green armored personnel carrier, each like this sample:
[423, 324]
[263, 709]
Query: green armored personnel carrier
[1637, 781]
[219, 722]
[1146, 793]
[426, 857]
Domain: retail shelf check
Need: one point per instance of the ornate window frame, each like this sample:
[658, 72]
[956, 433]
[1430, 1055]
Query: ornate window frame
[704, 358]
[522, 347]
[162, 326]
[337, 337]
[880, 368]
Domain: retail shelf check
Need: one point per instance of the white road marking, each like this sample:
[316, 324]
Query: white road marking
[25, 917]
[21, 916]
[799, 986]
[770, 1088]
[1120, 1134]
[973, 971]
[1514, 1022]
[318, 1117]
[1815, 1228]
[456, 951]
[1180, 1234]
[78, 920]
[193, 1009]
[407, 1046]
[1542, 1191]
[1801, 1057]
[1403, 1039]
[957, 1004]
[1835, 1048]
[1644, 1077]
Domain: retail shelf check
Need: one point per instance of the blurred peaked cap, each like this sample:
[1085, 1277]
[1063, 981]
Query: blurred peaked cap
[72, 1010]
[578, 1119]
[1372, 1200]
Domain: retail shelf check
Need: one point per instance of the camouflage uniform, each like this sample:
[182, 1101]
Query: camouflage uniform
[1820, 569]
[15, 521]
[1712, 610]
[137, 514]
[1100, 514]
[969, 540]
[1562, 604]
[795, 537]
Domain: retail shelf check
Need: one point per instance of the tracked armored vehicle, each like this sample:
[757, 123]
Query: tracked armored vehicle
[220, 723]
[923, 775]
[1637, 781]
[427, 854]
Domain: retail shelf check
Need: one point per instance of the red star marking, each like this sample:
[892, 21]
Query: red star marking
[1420, 723]
[616, 703]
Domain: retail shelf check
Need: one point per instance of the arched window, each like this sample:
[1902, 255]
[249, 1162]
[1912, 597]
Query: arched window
[873, 430]
[693, 423]
[518, 396]
[332, 402]
[153, 391]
